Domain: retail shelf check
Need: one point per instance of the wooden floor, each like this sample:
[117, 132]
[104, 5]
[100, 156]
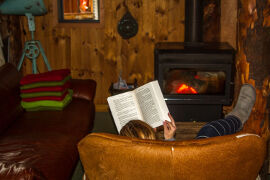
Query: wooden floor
[185, 130]
[104, 123]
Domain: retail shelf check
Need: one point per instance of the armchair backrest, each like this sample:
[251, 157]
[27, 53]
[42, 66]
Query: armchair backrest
[233, 157]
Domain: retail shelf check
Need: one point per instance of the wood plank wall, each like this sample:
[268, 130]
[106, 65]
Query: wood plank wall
[9, 30]
[228, 22]
[100, 53]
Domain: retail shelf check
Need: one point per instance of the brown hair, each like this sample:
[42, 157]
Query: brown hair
[138, 129]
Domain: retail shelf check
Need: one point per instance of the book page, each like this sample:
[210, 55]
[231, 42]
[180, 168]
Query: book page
[124, 108]
[164, 111]
[153, 107]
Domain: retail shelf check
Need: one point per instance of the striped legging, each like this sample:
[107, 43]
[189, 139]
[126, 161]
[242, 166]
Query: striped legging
[221, 127]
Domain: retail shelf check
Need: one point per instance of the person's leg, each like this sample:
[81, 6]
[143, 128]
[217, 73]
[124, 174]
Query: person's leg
[221, 127]
[245, 103]
[235, 120]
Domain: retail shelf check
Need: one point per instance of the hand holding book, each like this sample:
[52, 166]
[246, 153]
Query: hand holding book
[169, 128]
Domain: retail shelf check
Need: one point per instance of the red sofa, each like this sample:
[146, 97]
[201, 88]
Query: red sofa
[41, 144]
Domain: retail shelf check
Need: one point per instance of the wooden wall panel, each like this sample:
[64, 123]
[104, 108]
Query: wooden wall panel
[228, 22]
[9, 30]
[211, 20]
[100, 53]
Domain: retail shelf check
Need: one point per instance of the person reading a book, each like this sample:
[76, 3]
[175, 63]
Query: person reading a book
[138, 129]
[142, 130]
[232, 123]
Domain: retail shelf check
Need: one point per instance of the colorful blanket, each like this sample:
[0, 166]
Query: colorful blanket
[55, 75]
[54, 98]
[49, 88]
[41, 108]
[46, 83]
[42, 94]
[47, 104]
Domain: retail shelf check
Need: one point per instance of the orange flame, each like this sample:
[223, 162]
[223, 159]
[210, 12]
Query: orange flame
[185, 89]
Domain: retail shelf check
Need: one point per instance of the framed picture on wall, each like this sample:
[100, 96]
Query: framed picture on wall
[78, 12]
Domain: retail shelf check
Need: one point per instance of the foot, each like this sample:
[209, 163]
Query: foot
[245, 103]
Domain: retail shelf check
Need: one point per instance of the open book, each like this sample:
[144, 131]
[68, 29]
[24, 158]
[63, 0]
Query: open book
[145, 103]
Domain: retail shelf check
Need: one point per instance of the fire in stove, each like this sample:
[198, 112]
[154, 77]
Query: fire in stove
[184, 81]
[185, 89]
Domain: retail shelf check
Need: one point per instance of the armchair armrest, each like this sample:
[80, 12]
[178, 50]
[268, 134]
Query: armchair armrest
[84, 88]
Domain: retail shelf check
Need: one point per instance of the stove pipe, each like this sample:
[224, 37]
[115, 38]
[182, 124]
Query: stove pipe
[193, 20]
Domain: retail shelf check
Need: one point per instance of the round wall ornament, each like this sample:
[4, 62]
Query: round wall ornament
[127, 26]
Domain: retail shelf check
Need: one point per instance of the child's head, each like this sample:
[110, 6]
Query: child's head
[138, 129]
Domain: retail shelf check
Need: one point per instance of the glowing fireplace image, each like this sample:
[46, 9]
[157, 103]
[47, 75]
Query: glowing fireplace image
[85, 6]
[79, 10]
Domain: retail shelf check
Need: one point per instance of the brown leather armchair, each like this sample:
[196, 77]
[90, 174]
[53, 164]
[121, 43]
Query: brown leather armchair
[234, 157]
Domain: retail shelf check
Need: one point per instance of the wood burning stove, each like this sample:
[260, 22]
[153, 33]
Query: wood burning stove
[197, 79]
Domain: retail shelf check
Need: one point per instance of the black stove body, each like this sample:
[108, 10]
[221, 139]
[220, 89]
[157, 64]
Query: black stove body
[196, 78]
